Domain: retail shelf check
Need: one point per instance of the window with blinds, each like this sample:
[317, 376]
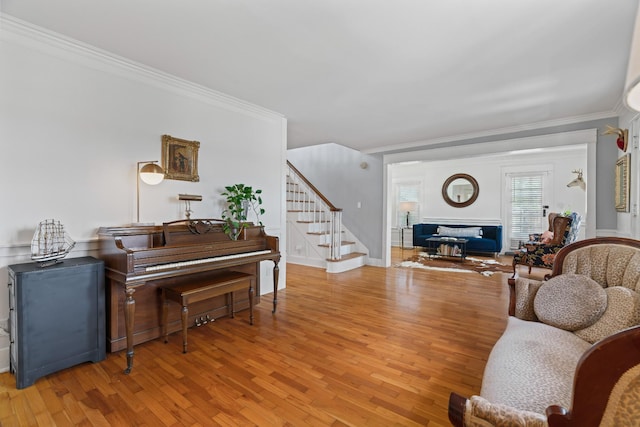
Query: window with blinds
[407, 202]
[526, 207]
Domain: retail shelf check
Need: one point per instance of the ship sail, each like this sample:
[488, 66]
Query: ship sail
[50, 242]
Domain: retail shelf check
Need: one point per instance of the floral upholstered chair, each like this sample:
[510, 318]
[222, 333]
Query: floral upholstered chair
[541, 250]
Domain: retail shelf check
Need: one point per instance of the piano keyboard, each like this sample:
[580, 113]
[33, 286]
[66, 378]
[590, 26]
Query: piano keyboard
[204, 260]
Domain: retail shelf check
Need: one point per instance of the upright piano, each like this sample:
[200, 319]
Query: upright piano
[141, 259]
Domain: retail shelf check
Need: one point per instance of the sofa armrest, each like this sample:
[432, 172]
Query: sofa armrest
[457, 406]
[606, 388]
[522, 292]
[477, 411]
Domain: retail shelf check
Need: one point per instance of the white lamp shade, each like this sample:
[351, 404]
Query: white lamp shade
[407, 206]
[151, 174]
[632, 85]
[632, 98]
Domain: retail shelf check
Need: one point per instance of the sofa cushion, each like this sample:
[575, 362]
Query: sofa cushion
[570, 302]
[622, 312]
[460, 231]
[532, 366]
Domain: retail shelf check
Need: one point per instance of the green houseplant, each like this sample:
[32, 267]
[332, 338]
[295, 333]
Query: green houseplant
[240, 199]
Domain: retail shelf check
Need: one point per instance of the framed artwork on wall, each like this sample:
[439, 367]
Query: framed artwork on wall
[622, 183]
[180, 158]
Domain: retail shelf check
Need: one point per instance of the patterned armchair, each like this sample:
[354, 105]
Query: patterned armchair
[570, 353]
[538, 253]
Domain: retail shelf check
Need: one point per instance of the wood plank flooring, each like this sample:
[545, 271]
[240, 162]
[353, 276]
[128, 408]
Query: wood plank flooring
[369, 347]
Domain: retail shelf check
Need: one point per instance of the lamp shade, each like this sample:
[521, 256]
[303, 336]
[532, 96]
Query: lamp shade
[632, 85]
[407, 206]
[151, 174]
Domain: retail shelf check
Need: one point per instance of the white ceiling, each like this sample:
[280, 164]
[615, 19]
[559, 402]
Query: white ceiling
[372, 74]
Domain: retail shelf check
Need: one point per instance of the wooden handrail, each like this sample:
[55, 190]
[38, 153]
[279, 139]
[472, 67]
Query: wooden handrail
[315, 190]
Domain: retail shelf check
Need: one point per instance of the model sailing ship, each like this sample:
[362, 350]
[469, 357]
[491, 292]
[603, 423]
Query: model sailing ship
[50, 243]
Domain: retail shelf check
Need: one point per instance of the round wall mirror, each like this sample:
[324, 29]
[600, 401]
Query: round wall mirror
[460, 190]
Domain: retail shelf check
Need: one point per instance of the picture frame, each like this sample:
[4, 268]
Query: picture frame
[180, 158]
[622, 190]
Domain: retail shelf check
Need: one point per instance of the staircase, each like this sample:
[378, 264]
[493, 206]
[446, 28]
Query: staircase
[315, 234]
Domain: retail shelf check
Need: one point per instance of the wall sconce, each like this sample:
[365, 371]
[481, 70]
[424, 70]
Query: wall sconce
[578, 181]
[623, 136]
[188, 198]
[632, 84]
[151, 174]
[407, 207]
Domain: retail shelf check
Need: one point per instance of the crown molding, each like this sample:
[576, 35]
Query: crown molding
[493, 132]
[24, 33]
[584, 136]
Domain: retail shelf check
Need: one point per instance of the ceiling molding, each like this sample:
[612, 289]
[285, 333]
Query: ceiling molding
[494, 132]
[18, 31]
[585, 136]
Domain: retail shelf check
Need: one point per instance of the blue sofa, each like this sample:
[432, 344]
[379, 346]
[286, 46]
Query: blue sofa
[488, 241]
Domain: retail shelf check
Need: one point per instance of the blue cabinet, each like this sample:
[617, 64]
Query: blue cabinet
[56, 317]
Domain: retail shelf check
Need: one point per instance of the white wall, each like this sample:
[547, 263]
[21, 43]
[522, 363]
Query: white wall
[489, 171]
[75, 120]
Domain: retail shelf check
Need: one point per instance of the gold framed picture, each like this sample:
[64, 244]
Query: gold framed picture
[622, 183]
[180, 158]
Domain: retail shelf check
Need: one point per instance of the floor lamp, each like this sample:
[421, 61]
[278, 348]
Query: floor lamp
[151, 174]
[407, 207]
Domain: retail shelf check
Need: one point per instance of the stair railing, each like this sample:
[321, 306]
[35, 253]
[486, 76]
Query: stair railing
[315, 208]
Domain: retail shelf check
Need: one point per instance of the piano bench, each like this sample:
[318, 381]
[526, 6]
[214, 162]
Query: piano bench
[192, 292]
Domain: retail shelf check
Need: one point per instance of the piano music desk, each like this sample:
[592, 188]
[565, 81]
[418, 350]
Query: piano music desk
[191, 292]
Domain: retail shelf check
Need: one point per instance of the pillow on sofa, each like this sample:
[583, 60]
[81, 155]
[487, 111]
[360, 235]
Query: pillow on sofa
[570, 302]
[460, 231]
[546, 237]
[622, 312]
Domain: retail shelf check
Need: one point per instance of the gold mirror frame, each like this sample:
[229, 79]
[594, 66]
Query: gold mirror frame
[472, 181]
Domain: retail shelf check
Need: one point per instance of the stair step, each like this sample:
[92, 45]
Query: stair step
[313, 222]
[320, 233]
[344, 243]
[348, 256]
[300, 201]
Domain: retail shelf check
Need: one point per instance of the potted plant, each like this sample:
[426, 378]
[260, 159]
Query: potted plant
[240, 199]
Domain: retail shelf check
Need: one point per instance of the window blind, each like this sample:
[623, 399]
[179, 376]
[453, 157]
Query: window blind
[526, 207]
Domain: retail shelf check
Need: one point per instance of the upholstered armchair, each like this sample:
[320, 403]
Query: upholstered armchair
[541, 250]
[570, 353]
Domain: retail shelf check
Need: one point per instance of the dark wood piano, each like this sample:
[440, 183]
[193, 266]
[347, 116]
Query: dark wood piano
[141, 259]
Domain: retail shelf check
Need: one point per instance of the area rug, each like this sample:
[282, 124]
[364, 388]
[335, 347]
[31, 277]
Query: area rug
[486, 267]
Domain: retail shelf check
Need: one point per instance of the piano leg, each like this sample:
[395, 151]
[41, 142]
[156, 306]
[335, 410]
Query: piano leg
[184, 318]
[129, 316]
[251, 302]
[276, 275]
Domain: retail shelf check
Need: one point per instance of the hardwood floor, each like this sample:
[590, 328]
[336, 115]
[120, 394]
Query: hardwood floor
[372, 346]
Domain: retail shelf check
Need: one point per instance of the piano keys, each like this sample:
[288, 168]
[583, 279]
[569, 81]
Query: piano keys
[141, 259]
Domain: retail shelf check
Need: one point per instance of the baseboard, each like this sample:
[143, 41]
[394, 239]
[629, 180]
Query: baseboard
[375, 262]
[4, 359]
